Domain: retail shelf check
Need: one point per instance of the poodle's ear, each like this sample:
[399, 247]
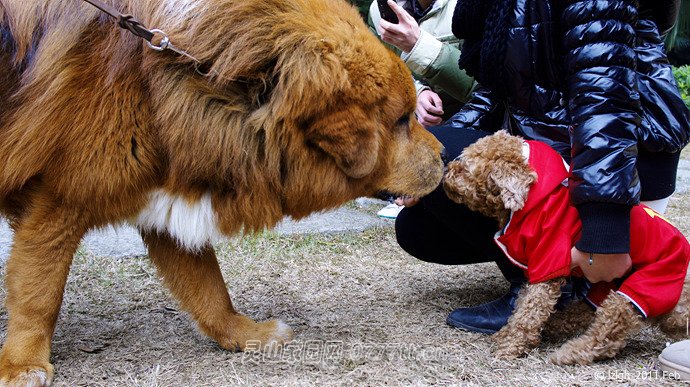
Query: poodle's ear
[512, 182]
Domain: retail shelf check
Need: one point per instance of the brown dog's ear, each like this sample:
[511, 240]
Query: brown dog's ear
[349, 138]
[512, 182]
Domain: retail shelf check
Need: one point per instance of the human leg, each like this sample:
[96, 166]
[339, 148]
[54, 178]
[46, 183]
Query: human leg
[657, 172]
[441, 231]
[438, 230]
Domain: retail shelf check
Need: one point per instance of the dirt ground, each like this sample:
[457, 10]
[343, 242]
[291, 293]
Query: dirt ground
[364, 313]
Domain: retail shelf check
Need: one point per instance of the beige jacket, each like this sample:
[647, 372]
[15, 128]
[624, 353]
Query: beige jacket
[434, 59]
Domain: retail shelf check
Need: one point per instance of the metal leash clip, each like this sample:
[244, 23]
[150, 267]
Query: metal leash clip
[128, 22]
[165, 44]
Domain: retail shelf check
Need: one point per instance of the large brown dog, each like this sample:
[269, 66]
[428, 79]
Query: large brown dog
[303, 110]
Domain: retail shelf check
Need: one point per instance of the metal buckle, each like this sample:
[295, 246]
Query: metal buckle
[164, 43]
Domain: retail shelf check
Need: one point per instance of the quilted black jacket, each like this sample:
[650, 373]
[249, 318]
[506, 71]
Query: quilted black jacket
[591, 79]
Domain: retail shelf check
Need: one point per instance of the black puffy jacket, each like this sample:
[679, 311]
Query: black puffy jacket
[591, 79]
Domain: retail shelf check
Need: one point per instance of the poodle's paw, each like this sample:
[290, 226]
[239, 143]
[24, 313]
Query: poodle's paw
[509, 351]
[502, 335]
[26, 377]
[566, 355]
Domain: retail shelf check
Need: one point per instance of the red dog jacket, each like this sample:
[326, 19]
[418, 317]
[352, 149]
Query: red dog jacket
[539, 237]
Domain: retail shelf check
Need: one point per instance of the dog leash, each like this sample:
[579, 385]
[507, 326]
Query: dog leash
[129, 23]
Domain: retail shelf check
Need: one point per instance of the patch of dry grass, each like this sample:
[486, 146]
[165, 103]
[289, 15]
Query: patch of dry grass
[364, 313]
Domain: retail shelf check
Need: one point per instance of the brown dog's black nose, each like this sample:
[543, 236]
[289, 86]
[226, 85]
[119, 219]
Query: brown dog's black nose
[444, 156]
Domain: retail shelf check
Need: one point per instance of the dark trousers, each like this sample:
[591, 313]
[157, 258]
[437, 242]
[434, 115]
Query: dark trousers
[439, 230]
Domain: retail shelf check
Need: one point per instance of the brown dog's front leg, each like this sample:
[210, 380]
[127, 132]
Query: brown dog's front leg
[195, 280]
[44, 244]
[535, 304]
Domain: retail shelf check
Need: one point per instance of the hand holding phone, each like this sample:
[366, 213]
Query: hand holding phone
[402, 31]
[387, 12]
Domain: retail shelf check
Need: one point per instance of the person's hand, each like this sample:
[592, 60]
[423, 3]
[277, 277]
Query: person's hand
[604, 267]
[429, 108]
[406, 201]
[403, 35]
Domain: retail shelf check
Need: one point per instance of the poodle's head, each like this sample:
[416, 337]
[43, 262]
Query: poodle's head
[491, 176]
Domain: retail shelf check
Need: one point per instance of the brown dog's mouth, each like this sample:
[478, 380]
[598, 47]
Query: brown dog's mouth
[386, 195]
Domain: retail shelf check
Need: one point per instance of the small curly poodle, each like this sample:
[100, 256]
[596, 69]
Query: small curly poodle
[523, 184]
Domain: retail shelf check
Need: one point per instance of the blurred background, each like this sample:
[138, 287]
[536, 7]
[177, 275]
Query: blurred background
[677, 45]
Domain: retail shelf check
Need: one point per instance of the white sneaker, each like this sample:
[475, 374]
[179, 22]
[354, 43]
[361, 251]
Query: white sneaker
[675, 360]
[390, 211]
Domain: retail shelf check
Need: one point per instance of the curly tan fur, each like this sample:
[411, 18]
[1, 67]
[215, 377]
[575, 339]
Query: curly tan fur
[303, 109]
[572, 320]
[491, 176]
[614, 322]
[676, 323]
[522, 333]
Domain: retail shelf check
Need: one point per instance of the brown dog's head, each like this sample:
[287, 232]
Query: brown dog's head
[371, 134]
[352, 102]
[491, 176]
[303, 105]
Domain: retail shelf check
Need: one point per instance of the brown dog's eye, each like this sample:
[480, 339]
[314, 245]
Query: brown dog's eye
[404, 120]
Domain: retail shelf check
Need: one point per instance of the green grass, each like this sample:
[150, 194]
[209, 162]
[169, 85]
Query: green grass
[682, 75]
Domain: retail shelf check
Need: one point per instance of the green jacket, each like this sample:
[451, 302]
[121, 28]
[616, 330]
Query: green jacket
[434, 59]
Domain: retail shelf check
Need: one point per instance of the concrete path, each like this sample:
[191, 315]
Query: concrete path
[124, 241]
[683, 180]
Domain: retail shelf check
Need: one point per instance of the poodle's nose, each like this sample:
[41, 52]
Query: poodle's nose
[444, 156]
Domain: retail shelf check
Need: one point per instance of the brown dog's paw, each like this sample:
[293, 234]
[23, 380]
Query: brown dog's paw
[510, 343]
[506, 354]
[249, 335]
[25, 377]
[275, 332]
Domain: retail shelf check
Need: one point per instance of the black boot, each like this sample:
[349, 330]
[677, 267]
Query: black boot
[490, 317]
[487, 318]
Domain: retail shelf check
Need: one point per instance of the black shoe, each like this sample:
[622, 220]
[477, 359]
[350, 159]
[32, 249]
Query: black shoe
[487, 318]
[573, 290]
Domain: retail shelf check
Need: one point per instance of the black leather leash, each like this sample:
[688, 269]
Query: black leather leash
[129, 23]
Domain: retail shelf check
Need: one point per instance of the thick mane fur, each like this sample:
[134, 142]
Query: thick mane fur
[227, 132]
[296, 108]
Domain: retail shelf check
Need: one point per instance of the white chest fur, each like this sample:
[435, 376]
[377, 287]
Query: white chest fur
[192, 224]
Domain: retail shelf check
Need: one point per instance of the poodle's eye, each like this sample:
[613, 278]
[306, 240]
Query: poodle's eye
[404, 120]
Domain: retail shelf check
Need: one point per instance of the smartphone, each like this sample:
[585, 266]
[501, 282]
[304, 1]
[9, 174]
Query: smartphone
[387, 13]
